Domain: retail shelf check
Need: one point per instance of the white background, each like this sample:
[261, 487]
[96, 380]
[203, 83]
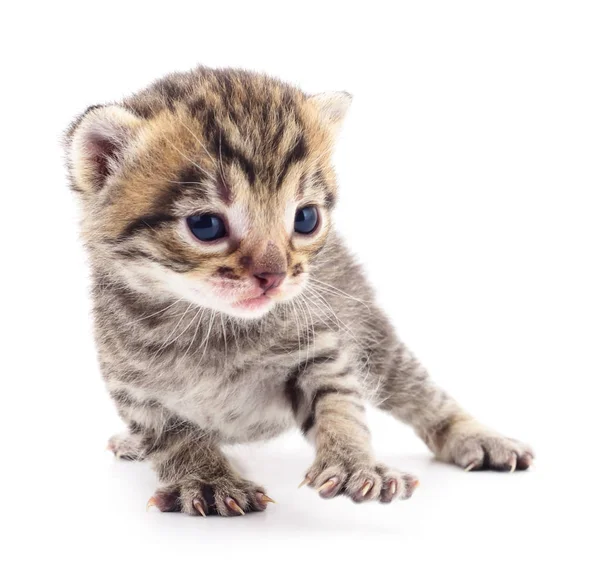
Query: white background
[469, 180]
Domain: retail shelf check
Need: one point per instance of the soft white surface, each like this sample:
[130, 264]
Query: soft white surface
[469, 187]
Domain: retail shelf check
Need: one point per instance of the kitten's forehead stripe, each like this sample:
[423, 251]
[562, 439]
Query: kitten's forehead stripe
[249, 121]
[297, 154]
[189, 181]
[148, 221]
[230, 155]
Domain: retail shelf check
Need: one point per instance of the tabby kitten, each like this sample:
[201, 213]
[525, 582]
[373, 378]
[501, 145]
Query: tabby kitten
[226, 307]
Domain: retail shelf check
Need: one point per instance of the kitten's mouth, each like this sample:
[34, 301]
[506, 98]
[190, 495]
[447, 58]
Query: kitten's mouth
[253, 303]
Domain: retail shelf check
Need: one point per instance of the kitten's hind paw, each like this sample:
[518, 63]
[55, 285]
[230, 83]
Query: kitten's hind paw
[360, 483]
[222, 498]
[476, 449]
[126, 447]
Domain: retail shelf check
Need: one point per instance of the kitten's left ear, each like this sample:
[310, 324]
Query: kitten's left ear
[96, 145]
[332, 108]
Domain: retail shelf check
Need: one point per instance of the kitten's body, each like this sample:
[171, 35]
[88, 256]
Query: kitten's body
[235, 383]
[187, 371]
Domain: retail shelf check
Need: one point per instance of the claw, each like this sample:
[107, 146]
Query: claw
[366, 488]
[233, 505]
[304, 482]
[265, 498]
[469, 467]
[526, 460]
[151, 503]
[327, 485]
[393, 486]
[513, 465]
[198, 507]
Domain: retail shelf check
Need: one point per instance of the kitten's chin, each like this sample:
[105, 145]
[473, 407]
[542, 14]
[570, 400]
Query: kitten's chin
[251, 308]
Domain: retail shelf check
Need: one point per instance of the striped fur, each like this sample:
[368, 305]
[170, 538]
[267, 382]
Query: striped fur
[189, 368]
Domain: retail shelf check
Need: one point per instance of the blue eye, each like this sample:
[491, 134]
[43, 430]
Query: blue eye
[207, 227]
[306, 220]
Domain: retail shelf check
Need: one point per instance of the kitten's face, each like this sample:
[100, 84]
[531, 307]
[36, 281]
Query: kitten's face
[214, 232]
[223, 200]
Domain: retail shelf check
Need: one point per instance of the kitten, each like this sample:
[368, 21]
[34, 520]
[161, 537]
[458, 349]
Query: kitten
[226, 307]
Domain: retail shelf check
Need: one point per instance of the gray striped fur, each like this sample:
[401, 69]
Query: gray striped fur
[188, 378]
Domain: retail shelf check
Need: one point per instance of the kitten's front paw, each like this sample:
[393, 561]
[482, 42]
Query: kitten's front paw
[223, 497]
[359, 481]
[480, 449]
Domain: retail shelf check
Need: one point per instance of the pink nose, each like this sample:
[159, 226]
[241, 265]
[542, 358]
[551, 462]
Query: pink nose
[267, 281]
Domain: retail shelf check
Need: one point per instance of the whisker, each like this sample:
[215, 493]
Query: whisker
[304, 300]
[221, 168]
[306, 339]
[205, 340]
[195, 334]
[200, 143]
[155, 313]
[322, 284]
[297, 329]
[169, 342]
[321, 300]
[194, 163]
[186, 182]
[224, 337]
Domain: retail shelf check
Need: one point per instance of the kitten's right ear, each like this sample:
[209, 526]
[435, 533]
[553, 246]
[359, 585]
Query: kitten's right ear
[332, 108]
[96, 143]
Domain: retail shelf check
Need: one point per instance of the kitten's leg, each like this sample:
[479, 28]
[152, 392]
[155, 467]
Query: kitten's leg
[195, 476]
[327, 400]
[452, 434]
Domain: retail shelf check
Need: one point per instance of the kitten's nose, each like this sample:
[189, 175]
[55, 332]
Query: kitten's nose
[267, 281]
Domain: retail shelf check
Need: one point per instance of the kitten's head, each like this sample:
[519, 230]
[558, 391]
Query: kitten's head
[212, 186]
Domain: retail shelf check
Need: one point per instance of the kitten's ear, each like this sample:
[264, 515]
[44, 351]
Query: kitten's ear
[96, 143]
[332, 107]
